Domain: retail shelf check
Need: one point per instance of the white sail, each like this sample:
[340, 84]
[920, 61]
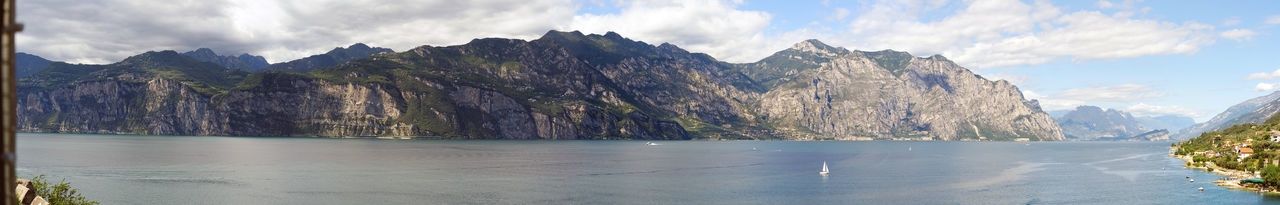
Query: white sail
[824, 169]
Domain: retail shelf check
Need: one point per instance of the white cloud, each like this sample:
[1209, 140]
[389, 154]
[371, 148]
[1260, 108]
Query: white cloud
[1145, 110]
[1273, 19]
[999, 33]
[980, 34]
[1118, 93]
[1264, 76]
[1126, 4]
[1239, 35]
[1231, 22]
[97, 31]
[839, 14]
[1263, 87]
[1105, 4]
[1048, 103]
[711, 26]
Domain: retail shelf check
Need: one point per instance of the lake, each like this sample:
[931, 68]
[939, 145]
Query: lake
[132, 169]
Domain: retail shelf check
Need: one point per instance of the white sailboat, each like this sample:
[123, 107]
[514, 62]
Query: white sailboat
[824, 169]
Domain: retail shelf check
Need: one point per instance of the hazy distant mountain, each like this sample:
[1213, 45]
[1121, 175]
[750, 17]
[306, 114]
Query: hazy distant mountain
[1094, 123]
[329, 59]
[1254, 110]
[244, 62]
[28, 64]
[1058, 113]
[1167, 122]
[564, 85]
[1154, 135]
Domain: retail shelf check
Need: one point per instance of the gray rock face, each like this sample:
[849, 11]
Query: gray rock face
[893, 94]
[1256, 110]
[565, 85]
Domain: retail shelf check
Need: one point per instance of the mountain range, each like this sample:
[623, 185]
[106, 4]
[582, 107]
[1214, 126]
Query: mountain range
[564, 85]
[1256, 110]
[246, 62]
[329, 59]
[1094, 123]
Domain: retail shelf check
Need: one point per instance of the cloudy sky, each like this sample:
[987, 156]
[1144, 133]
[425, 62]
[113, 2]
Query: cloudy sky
[1192, 58]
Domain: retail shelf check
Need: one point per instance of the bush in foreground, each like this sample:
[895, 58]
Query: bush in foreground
[60, 193]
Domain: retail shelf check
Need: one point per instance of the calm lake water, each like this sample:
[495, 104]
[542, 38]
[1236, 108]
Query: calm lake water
[126, 169]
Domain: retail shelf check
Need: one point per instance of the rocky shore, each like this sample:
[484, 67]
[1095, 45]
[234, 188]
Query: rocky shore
[1232, 181]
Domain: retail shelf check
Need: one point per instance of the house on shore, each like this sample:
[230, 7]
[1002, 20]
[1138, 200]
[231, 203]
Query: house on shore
[1245, 152]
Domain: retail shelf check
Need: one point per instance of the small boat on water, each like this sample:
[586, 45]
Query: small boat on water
[1201, 188]
[1193, 180]
[651, 144]
[824, 171]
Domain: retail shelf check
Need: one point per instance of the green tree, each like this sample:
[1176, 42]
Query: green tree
[1271, 174]
[59, 194]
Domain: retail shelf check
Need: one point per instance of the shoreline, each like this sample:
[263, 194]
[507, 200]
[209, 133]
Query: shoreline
[1234, 176]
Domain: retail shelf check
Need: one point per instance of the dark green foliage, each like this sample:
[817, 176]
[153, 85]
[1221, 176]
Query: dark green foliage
[204, 77]
[27, 64]
[1271, 175]
[894, 61]
[610, 48]
[1264, 150]
[60, 193]
[334, 57]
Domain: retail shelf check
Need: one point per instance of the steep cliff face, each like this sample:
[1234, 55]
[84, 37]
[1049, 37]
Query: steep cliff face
[488, 89]
[565, 85]
[893, 94]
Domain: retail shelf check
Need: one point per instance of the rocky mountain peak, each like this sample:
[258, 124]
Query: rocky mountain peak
[817, 47]
[154, 57]
[201, 52]
[245, 61]
[894, 61]
[334, 57]
[358, 46]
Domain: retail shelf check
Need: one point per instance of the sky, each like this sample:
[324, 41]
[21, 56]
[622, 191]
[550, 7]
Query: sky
[1150, 58]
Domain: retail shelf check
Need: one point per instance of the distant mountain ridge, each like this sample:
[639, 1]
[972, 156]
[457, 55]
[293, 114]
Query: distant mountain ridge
[1255, 110]
[1094, 123]
[332, 58]
[1167, 122]
[27, 64]
[244, 62]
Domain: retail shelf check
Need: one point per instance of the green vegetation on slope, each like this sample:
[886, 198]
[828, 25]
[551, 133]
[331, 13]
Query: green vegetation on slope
[205, 78]
[1224, 149]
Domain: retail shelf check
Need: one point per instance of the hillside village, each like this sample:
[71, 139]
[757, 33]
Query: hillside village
[1247, 152]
